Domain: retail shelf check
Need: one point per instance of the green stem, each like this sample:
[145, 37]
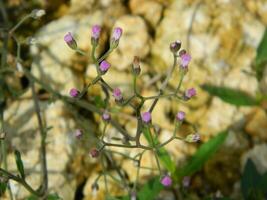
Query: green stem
[105, 175]
[180, 82]
[171, 139]
[154, 149]
[164, 84]
[81, 52]
[160, 96]
[19, 24]
[43, 140]
[77, 102]
[19, 180]
[89, 85]
[104, 56]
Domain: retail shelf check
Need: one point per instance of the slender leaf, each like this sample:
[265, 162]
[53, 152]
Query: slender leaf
[19, 163]
[53, 197]
[49, 197]
[3, 187]
[150, 190]
[253, 185]
[261, 57]
[202, 155]
[232, 96]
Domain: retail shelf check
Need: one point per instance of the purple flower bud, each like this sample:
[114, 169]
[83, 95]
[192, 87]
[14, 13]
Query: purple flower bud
[117, 94]
[166, 181]
[78, 133]
[193, 138]
[114, 42]
[104, 66]
[133, 195]
[185, 60]
[146, 117]
[94, 153]
[180, 116]
[68, 38]
[96, 30]
[117, 33]
[190, 93]
[106, 116]
[182, 52]
[74, 92]
[186, 181]
[175, 46]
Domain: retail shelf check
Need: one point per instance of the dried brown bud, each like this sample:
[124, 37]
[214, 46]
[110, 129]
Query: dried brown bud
[136, 66]
[94, 153]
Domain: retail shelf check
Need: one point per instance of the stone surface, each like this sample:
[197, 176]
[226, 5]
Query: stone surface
[150, 10]
[53, 58]
[135, 41]
[258, 155]
[21, 122]
[256, 125]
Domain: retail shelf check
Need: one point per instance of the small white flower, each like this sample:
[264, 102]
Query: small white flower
[37, 13]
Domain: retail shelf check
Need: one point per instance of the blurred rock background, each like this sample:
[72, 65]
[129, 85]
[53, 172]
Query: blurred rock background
[221, 35]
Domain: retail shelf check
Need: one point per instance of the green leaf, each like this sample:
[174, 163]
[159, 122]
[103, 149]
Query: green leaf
[150, 190]
[201, 156]
[229, 95]
[250, 182]
[99, 102]
[49, 197]
[162, 153]
[263, 183]
[19, 163]
[53, 197]
[3, 187]
[261, 57]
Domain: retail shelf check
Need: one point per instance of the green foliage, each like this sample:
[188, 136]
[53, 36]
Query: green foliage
[261, 57]
[19, 164]
[150, 190]
[253, 184]
[202, 155]
[98, 102]
[232, 96]
[3, 187]
[49, 197]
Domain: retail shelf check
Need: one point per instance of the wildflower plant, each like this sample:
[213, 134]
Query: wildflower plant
[144, 119]
[102, 149]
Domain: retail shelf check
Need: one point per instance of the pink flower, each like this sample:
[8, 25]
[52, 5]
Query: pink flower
[190, 93]
[106, 116]
[104, 66]
[78, 133]
[117, 33]
[185, 60]
[96, 30]
[186, 181]
[68, 38]
[74, 92]
[146, 117]
[180, 116]
[117, 94]
[166, 181]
